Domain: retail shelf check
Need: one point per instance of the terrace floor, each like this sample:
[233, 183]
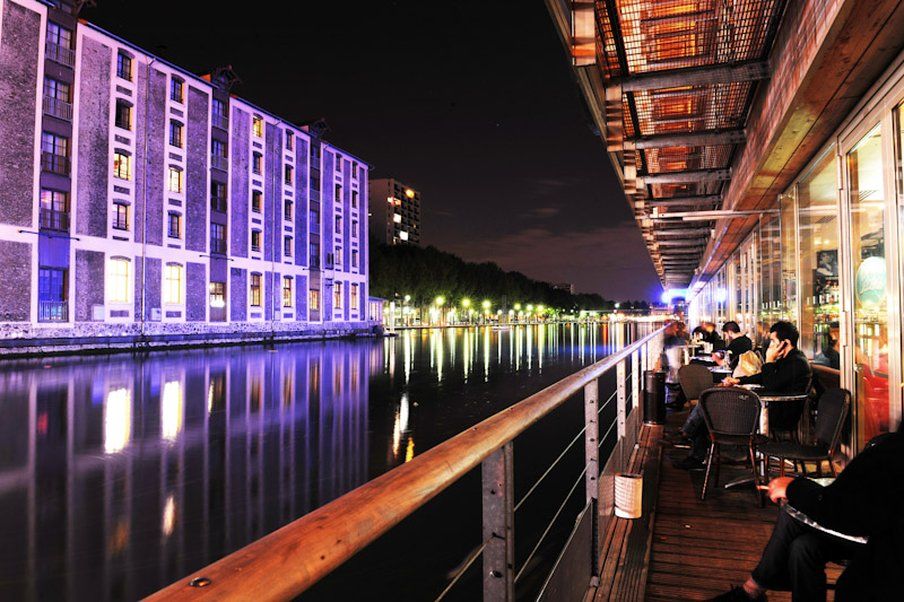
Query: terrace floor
[694, 549]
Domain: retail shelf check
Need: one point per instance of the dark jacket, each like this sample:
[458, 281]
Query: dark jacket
[737, 347]
[715, 339]
[865, 500]
[790, 374]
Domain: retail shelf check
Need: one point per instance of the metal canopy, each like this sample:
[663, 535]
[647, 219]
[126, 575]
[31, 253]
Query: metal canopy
[670, 85]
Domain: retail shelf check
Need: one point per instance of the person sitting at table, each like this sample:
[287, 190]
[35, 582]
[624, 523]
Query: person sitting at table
[786, 370]
[711, 336]
[738, 343]
[864, 501]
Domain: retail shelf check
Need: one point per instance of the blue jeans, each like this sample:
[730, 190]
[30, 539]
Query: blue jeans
[695, 429]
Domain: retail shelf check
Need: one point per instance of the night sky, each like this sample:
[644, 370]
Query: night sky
[472, 102]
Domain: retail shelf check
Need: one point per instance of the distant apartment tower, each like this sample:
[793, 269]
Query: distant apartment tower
[139, 198]
[395, 212]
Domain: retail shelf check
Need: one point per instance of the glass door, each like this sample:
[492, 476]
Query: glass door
[870, 285]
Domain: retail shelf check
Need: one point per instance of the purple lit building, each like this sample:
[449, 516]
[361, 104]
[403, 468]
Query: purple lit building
[145, 202]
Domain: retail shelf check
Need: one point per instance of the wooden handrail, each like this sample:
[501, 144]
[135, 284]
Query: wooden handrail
[291, 559]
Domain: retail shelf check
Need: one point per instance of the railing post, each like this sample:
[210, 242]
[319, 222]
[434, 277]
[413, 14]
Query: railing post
[621, 397]
[636, 372]
[591, 452]
[498, 523]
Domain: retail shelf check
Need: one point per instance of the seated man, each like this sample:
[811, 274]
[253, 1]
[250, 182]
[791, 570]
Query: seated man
[864, 501]
[738, 344]
[786, 370]
[712, 337]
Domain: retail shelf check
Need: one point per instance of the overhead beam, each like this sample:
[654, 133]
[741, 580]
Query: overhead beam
[694, 76]
[707, 138]
[685, 232]
[708, 199]
[685, 177]
[682, 243]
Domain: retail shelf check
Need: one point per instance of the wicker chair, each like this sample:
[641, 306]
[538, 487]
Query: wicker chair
[831, 413]
[694, 379]
[732, 416]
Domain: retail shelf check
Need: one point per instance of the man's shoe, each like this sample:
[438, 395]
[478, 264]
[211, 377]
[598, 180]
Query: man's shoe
[690, 463]
[737, 594]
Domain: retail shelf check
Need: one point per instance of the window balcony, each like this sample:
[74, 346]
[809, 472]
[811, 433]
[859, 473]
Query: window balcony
[57, 108]
[60, 54]
[54, 220]
[219, 162]
[57, 164]
[53, 311]
[218, 204]
[221, 121]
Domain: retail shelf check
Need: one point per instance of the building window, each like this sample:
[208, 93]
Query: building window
[315, 219]
[287, 246]
[354, 199]
[255, 290]
[217, 295]
[54, 153]
[338, 261]
[118, 280]
[52, 295]
[354, 232]
[287, 209]
[290, 140]
[175, 134]
[175, 179]
[54, 210]
[123, 114]
[257, 200]
[287, 291]
[218, 239]
[338, 194]
[59, 44]
[257, 163]
[122, 165]
[218, 110]
[290, 173]
[218, 196]
[257, 126]
[315, 255]
[174, 225]
[124, 66]
[338, 163]
[256, 240]
[177, 89]
[397, 218]
[314, 299]
[173, 284]
[337, 295]
[218, 148]
[353, 294]
[120, 215]
[57, 98]
[354, 258]
[338, 224]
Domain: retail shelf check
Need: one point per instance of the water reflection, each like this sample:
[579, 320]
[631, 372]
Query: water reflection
[119, 474]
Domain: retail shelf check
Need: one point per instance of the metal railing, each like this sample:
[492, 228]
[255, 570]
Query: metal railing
[220, 121]
[60, 54]
[57, 108]
[218, 203]
[51, 219]
[53, 311]
[219, 162]
[218, 246]
[290, 560]
[58, 164]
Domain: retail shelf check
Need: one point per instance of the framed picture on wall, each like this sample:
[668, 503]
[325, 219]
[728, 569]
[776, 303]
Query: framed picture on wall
[827, 263]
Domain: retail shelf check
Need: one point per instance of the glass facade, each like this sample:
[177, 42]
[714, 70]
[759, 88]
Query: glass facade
[828, 257]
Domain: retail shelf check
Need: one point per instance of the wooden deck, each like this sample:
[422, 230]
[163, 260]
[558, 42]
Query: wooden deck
[694, 549]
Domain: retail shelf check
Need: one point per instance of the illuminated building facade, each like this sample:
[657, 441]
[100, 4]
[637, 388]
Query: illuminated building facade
[395, 212]
[139, 199]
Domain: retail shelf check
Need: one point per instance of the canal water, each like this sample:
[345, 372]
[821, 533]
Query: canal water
[122, 473]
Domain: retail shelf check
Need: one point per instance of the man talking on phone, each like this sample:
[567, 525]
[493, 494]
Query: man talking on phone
[786, 368]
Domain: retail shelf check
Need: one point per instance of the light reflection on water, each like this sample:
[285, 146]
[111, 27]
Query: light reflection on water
[119, 474]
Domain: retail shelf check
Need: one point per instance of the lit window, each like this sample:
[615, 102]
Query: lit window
[124, 66]
[218, 295]
[338, 256]
[287, 291]
[175, 134]
[173, 279]
[337, 295]
[175, 179]
[314, 299]
[118, 280]
[353, 301]
[122, 166]
[354, 259]
[257, 126]
[256, 200]
[403, 235]
[177, 87]
[174, 225]
[255, 290]
[256, 240]
[397, 218]
[120, 215]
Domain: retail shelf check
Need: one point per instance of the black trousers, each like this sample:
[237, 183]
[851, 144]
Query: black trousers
[795, 559]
